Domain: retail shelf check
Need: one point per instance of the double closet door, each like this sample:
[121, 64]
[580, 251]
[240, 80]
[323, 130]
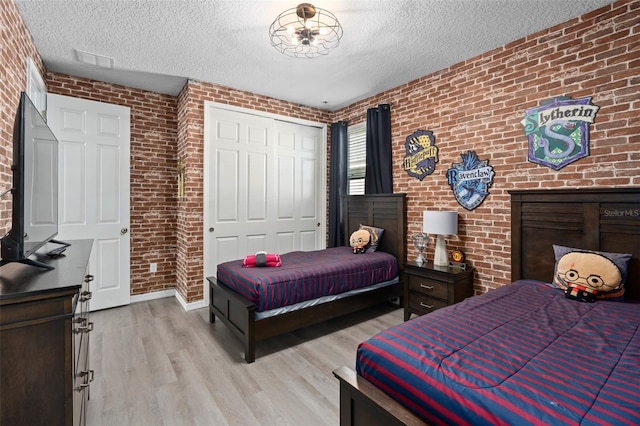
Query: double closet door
[264, 184]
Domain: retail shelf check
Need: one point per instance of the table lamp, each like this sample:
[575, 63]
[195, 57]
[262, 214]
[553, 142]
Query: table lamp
[440, 224]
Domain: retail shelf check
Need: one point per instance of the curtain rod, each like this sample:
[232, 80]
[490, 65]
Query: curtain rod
[364, 116]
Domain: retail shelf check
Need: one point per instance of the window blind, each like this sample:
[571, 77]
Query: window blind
[357, 155]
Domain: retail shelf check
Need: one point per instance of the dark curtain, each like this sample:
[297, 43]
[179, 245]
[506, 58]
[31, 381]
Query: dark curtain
[379, 175]
[337, 182]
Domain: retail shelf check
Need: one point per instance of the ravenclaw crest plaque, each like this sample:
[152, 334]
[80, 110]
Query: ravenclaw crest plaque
[470, 180]
[421, 154]
[558, 131]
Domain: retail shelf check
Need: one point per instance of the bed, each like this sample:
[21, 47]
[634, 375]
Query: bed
[252, 320]
[523, 353]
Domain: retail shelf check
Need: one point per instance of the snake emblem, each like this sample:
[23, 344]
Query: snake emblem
[567, 140]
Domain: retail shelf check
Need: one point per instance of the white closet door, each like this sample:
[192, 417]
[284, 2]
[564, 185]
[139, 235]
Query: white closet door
[299, 188]
[265, 186]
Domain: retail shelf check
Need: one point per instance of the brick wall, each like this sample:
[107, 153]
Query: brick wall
[153, 175]
[478, 104]
[17, 45]
[190, 268]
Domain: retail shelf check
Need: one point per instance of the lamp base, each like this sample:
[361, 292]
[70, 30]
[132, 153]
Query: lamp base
[440, 257]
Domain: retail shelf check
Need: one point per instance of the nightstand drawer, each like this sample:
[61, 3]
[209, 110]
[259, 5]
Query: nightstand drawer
[422, 304]
[428, 287]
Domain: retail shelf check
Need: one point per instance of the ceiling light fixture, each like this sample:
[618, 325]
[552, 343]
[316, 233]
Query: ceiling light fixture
[305, 31]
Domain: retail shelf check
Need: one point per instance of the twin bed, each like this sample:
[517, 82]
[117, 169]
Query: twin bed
[522, 353]
[310, 287]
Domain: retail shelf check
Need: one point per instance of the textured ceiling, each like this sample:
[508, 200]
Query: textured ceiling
[157, 44]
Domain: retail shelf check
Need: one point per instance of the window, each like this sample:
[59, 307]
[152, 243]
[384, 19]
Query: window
[356, 155]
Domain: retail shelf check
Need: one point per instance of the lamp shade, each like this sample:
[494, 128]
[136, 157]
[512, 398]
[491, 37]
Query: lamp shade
[440, 223]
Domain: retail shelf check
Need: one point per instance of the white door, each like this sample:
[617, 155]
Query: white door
[299, 190]
[265, 186]
[94, 189]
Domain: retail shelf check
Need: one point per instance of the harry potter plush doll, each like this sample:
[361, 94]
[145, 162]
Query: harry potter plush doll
[359, 241]
[587, 276]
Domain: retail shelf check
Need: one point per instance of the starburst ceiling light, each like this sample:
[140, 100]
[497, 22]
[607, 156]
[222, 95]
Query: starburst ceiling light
[305, 31]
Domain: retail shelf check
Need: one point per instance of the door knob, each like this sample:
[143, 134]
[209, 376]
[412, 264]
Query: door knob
[124, 231]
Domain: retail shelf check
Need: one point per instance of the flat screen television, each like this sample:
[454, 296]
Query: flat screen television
[34, 216]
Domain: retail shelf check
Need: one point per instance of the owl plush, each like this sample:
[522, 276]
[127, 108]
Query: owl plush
[359, 241]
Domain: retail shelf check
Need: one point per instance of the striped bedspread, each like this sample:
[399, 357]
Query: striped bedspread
[520, 354]
[306, 275]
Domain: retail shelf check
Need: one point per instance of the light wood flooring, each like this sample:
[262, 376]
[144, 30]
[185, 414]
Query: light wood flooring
[156, 364]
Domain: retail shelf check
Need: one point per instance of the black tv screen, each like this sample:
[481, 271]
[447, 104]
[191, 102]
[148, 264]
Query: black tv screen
[35, 186]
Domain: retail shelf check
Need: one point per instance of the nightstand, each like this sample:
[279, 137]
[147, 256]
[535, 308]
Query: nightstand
[428, 287]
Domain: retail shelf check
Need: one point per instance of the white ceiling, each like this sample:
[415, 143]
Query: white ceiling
[157, 44]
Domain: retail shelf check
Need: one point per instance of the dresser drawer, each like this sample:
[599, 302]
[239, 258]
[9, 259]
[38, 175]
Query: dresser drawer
[421, 304]
[426, 286]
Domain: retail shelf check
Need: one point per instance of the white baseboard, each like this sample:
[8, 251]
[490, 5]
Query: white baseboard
[190, 306]
[152, 295]
[168, 293]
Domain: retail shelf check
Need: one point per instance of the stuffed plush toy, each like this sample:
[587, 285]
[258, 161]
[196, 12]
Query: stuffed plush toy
[359, 241]
[581, 293]
[587, 276]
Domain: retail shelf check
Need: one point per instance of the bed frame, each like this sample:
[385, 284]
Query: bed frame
[387, 211]
[606, 219]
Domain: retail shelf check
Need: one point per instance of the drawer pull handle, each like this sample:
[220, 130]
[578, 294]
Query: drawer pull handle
[85, 295]
[88, 373]
[426, 287]
[424, 305]
[85, 329]
[82, 387]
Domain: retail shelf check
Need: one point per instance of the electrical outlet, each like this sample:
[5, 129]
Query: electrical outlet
[153, 267]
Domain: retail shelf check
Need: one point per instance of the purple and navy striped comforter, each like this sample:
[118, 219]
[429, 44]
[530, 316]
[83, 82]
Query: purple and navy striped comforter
[520, 354]
[306, 275]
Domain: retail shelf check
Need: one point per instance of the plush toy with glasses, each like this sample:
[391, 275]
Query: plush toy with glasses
[359, 241]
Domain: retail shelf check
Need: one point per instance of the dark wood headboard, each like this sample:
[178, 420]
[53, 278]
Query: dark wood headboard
[605, 219]
[386, 211]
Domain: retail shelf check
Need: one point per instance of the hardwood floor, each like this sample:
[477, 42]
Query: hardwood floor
[158, 365]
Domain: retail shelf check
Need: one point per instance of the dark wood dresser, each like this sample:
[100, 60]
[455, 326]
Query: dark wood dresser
[44, 340]
[428, 287]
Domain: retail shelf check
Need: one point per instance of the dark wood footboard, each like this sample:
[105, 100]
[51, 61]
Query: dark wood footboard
[361, 403]
[239, 314]
[236, 312]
